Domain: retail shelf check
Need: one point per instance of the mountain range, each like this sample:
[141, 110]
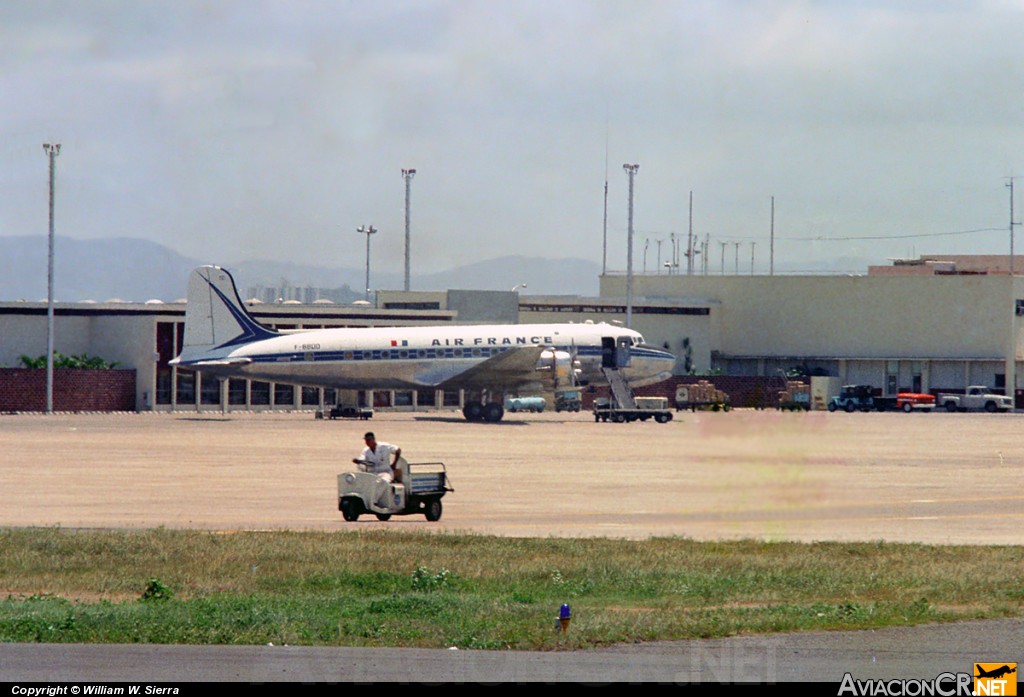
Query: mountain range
[138, 270]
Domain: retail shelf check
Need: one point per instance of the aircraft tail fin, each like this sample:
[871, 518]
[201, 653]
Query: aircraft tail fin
[215, 317]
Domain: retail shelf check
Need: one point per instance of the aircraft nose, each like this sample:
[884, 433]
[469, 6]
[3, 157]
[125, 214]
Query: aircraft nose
[658, 354]
[659, 362]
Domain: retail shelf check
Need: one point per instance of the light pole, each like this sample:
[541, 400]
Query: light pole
[1011, 354]
[51, 150]
[407, 175]
[1009, 185]
[631, 170]
[367, 230]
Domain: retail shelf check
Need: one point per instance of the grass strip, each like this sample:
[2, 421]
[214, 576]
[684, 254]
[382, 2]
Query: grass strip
[384, 588]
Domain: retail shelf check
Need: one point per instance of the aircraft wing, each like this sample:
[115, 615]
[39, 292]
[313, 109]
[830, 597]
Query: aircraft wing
[507, 370]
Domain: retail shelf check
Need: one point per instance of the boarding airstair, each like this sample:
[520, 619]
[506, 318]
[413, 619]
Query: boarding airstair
[620, 388]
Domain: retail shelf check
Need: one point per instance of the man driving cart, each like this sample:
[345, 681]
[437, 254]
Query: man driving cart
[379, 459]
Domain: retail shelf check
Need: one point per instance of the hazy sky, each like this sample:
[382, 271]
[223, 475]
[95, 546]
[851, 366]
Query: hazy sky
[241, 130]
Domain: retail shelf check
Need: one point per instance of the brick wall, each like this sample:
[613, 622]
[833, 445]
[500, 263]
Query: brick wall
[753, 391]
[24, 389]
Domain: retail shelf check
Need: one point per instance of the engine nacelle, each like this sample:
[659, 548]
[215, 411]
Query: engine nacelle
[561, 368]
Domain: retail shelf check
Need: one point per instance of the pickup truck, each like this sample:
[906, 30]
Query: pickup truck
[977, 397]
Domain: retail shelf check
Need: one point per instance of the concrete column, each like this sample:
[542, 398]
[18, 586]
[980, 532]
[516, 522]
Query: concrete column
[174, 368]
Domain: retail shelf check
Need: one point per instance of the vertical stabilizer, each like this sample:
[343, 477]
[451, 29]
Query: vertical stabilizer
[215, 317]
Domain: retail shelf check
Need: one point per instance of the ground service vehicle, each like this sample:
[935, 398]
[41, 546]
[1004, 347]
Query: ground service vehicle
[703, 396]
[977, 397]
[340, 411]
[853, 398]
[862, 398]
[418, 488]
[514, 404]
[907, 402]
[796, 396]
[646, 408]
[568, 400]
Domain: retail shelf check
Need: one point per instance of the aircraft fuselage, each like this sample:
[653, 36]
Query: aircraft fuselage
[419, 357]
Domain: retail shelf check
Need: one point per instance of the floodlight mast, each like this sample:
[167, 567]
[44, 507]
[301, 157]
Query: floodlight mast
[51, 150]
[630, 170]
[367, 230]
[407, 175]
[1011, 352]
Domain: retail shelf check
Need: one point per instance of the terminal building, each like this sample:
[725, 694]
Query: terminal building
[900, 333]
[925, 325]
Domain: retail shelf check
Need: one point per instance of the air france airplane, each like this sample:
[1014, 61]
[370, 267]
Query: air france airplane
[222, 338]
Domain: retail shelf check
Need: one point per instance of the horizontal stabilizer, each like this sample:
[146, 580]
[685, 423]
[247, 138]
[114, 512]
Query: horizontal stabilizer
[241, 360]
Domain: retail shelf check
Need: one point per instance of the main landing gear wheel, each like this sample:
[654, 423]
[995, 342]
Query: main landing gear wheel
[433, 510]
[473, 411]
[493, 411]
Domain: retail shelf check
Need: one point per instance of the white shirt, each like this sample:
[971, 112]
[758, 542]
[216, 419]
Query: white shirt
[379, 462]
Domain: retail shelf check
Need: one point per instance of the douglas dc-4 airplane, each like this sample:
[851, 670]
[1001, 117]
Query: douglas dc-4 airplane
[222, 339]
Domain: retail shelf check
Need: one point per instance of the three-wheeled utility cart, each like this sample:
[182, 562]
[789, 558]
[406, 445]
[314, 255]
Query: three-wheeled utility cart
[418, 488]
